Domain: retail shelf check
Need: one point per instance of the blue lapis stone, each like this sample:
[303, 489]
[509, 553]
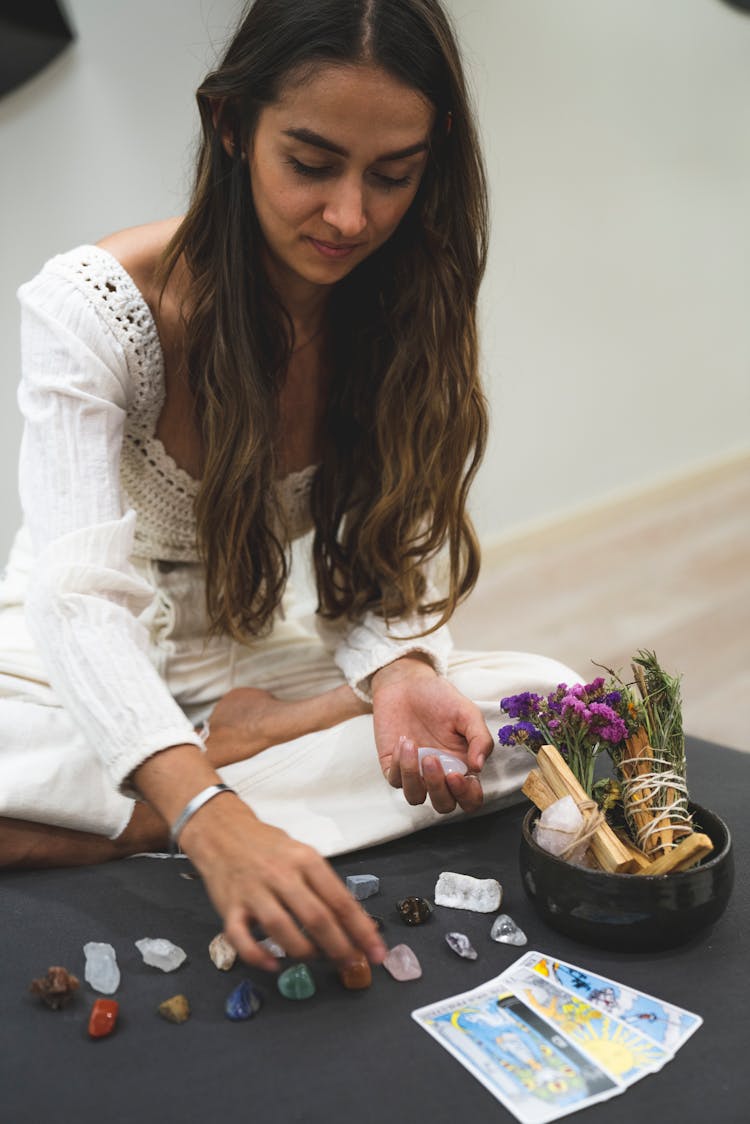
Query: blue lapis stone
[244, 1002]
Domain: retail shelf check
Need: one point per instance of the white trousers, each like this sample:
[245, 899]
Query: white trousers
[325, 788]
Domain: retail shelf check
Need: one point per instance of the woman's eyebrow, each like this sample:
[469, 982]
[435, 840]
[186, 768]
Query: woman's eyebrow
[307, 136]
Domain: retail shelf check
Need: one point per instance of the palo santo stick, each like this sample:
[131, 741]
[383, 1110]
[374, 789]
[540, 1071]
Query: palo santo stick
[685, 855]
[642, 861]
[538, 791]
[608, 850]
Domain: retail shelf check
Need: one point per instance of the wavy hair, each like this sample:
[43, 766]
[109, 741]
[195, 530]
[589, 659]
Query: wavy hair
[406, 422]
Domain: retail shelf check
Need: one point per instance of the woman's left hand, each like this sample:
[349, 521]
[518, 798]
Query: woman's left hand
[413, 706]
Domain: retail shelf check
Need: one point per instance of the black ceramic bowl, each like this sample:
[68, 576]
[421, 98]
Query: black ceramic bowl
[627, 911]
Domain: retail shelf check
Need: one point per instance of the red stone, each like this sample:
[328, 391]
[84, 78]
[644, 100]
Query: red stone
[103, 1017]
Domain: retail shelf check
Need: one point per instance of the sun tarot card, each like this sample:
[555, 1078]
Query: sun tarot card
[536, 1073]
[621, 1051]
[666, 1024]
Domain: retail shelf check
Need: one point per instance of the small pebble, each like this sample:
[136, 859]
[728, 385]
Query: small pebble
[461, 945]
[356, 974]
[56, 989]
[414, 911]
[244, 1002]
[402, 963]
[222, 954]
[161, 953]
[362, 886]
[296, 982]
[103, 1017]
[176, 1009]
[505, 931]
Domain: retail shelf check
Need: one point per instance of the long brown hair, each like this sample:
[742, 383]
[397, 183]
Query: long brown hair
[406, 422]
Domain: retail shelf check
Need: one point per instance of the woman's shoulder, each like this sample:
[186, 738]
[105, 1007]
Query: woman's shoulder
[139, 251]
[109, 288]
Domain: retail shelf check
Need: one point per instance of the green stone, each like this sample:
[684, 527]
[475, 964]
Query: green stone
[296, 982]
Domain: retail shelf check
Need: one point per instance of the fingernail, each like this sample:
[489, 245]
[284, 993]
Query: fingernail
[481, 760]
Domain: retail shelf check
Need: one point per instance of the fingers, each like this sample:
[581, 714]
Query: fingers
[312, 914]
[466, 790]
[414, 786]
[479, 740]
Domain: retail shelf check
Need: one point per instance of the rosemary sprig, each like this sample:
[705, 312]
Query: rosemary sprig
[663, 709]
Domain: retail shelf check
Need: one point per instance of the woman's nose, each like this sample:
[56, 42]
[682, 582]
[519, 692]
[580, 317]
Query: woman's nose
[345, 209]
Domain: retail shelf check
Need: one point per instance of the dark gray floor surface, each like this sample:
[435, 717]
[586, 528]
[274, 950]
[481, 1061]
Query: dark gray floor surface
[341, 1056]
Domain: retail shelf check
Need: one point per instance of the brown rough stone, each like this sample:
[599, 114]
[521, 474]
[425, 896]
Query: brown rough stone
[56, 989]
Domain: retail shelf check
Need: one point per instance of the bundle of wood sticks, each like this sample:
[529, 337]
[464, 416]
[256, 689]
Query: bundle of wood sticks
[552, 780]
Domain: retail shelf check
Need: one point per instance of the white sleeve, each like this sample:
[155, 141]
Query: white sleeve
[85, 597]
[362, 648]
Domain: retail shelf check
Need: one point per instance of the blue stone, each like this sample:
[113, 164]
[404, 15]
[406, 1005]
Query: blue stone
[362, 886]
[244, 1002]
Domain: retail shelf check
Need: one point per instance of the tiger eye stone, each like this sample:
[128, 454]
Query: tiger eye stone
[103, 1017]
[414, 911]
[356, 973]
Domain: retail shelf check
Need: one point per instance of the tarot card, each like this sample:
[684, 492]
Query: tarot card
[666, 1024]
[536, 1073]
[620, 1050]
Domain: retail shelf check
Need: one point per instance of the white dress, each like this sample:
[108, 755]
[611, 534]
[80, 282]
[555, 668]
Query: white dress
[105, 654]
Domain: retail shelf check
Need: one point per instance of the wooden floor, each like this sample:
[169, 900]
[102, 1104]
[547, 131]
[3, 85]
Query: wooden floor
[668, 571]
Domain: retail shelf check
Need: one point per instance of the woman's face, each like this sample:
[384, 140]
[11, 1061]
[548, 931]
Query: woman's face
[334, 166]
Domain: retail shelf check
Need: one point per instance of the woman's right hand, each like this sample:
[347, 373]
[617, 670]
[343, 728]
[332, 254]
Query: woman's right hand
[256, 874]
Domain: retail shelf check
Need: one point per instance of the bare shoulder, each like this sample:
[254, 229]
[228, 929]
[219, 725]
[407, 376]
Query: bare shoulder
[138, 249]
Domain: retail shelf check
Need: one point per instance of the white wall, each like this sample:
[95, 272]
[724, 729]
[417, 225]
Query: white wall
[615, 311]
[100, 140]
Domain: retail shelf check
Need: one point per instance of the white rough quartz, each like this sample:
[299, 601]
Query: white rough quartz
[161, 953]
[222, 953]
[450, 763]
[101, 970]
[558, 827]
[461, 891]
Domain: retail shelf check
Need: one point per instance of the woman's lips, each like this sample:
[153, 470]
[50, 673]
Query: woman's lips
[332, 250]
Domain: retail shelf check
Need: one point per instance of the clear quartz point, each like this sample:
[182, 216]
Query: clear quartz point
[161, 953]
[505, 930]
[101, 970]
[461, 945]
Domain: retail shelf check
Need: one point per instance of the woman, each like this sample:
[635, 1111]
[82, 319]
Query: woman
[299, 349]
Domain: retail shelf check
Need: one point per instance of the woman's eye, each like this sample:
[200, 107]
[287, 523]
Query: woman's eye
[311, 171]
[389, 183]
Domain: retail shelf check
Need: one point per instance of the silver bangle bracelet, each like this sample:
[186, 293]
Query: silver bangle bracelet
[192, 807]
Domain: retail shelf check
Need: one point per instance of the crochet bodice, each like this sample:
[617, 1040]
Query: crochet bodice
[162, 493]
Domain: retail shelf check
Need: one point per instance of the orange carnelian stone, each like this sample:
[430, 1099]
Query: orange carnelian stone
[355, 974]
[103, 1017]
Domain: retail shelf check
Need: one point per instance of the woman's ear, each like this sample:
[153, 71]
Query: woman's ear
[222, 118]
